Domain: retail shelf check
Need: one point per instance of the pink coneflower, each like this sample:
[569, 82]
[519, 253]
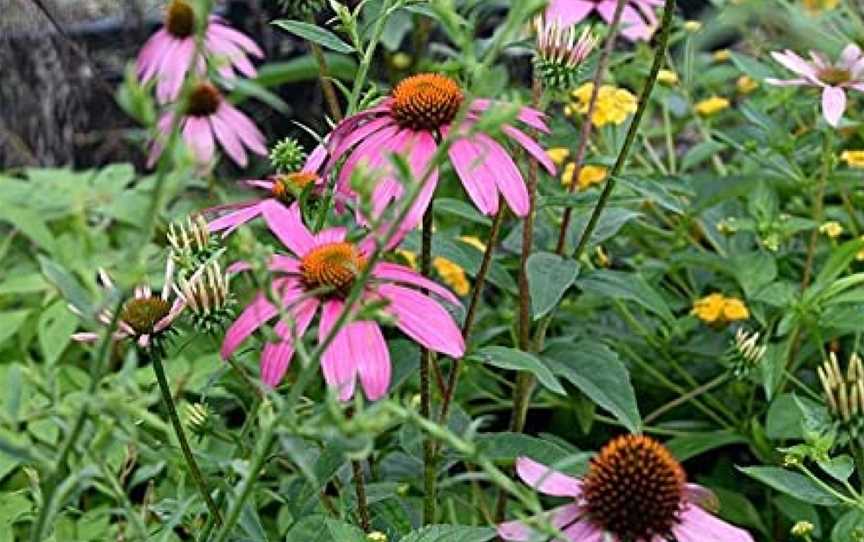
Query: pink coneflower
[634, 491]
[144, 318]
[832, 78]
[281, 189]
[419, 112]
[638, 20]
[168, 54]
[209, 117]
[319, 274]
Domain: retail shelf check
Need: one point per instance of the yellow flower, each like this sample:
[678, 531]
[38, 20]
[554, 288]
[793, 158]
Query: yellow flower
[712, 106]
[452, 275]
[745, 84]
[854, 158]
[589, 175]
[376, 536]
[614, 104]
[719, 309]
[474, 242]
[558, 154]
[721, 55]
[832, 229]
[603, 259]
[692, 26]
[667, 77]
[410, 257]
[815, 7]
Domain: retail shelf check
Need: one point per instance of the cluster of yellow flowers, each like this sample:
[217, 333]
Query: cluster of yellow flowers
[589, 175]
[613, 105]
[712, 106]
[853, 158]
[719, 309]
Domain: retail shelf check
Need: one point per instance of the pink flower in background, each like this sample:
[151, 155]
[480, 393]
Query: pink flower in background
[143, 318]
[209, 118]
[833, 78]
[634, 491]
[281, 189]
[168, 54]
[638, 20]
[419, 112]
[320, 272]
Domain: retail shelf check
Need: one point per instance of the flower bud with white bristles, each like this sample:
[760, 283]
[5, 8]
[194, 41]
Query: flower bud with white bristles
[208, 297]
[191, 244]
[844, 393]
[747, 353]
[561, 55]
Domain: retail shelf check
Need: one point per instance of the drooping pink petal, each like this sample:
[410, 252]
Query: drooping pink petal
[338, 362]
[151, 55]
[229, 140]
[792, 62]
[423, 319]
[331, 235]
[234, 220]
[174, 71]
[287, 225]
[833, 104]
[253, 316]
[788, 82]
[372, 357]
[477, 179]
[568, 12]
[230, 52]
[315, 159]
[219, 30]
[547, 480]
[358, 135]
[697, 525]
[400, 273]
[245, 129]
[584, 531]
[533, 148]
[199, 137]
[528, 115]
[369, 151]
[633, 26]
[276, 357]
[508, 177]
[850, 55]
[284, 264]
[518, 531]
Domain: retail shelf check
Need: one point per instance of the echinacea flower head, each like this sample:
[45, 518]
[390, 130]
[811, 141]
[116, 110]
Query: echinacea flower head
[634, 491]
[320, 271]
[168, 54]
[144, 319]
[418, 113]
[613, 104]
[209, 118]
[853, 158]
[279, 190]
[834, 78]
[711, 106]
[561, 52]
[638, 20]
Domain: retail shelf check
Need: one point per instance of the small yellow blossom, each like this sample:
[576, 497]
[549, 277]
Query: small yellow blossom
[613, 105]
[815, 7]
[558, 154]
[667, 77]
[410, 257]
[719, 309]
[854, 158]
[474, 242]
[452, 275]
[603, 259]
[802, 529]
[712, 106]
[721, 55]
[745, 84]
[589, 175]
[376, 536]
[692, 26]
[832, 229]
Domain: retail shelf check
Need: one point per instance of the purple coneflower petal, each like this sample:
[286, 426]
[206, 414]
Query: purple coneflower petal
[276, 357]
[331, 235]
[833, 104]
[400, 273]
[791, 61]
[220, 30]
[508, 177]
[246, 130]
[518, 531]
[339, 362]
[358, 135]
[477, 179]
[533, 148]
[253, 316]
[234, 220]
[199, 137]
[229, 140]
[529, 116]
[423, 319]
[568, 12]
[284, 264]
[373, 359]
[315, 159]
[85, 337]
[584, 531]
[547, 480]
[288, 226]
[697, 525]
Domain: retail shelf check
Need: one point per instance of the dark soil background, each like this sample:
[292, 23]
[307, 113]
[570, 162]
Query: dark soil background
[61, 60]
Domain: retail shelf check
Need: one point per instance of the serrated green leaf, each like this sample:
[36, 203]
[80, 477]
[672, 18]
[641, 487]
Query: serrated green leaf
[516, 360]
[549, 276]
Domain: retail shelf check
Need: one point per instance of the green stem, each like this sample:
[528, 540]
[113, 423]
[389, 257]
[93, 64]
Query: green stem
[429, 469]
[681, 399]
[366, 60]
[192, 465]
[360, 489]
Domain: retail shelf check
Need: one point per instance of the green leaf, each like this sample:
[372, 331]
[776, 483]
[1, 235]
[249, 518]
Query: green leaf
[461, 209]
[610, 222]
[450, 533]
[754, 271]
[68, 285]
[629, 286]
[506, 447]
[840, 468]
[837, 263]
[316, 34]
[849, 527]
[30, 223]
[792, 483]
[55, 326]
[10, 322]
[549, 276]
[700, 153]
[516, 360]
[752, 67]
[599, 374]
[688, 446]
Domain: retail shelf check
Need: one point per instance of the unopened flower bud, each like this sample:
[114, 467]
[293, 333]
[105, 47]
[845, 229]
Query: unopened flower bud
[748, 352]
[561, 55]
[197, 418]
[301, 9]
[287, 155]
[376, 536]
[802, 529]
[207, 297]
[190, 244]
